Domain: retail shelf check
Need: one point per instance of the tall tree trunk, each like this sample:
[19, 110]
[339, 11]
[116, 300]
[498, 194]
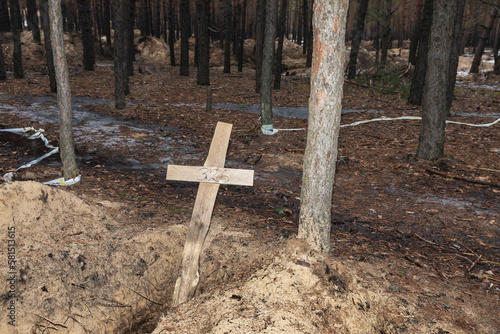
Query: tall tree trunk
[309, 47]
[417, 20]
[203, 42]
[3, 73]
[455, 51]
[130, 44]
[4, 16]
[119, 52]
[325, 105]
[496, 48]
[17, 58]
[279, 52]
[227, 36]
[106, 26]
[305, 25]
[44, 15]
[33, 21]
[185, 32]
[482, 41]
[356, 41]
[266, 103]
[171, 32]
[386, 32]
[417, 82]
[85, 18]
[259, 41]
[242, 35]
[67, 147]
[157, 20]
[434, 104]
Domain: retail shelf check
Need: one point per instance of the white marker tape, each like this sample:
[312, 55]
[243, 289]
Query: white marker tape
[416, 118]
[38, 134]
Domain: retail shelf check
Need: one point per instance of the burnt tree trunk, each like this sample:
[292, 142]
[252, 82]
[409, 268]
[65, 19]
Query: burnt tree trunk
[242, 35]
[267, 68]
[356, 41]
[417, 20]
[85, 18]
[434, 104]
[129, 42]
[325, 104]
[119, 52]
[309, 47]
[227, 36]
[496, 48]
[455, 51]
[66, 143]
[171, 32]
[279, 52]
[17, 57]
[185, 32]
[417, 82]
[482, 41]
[106, 18]
[386, 32]
[259, 41]
[203, 42]
[4, 16]
[33, 21]
[305, 25]
[3, 73]
[44, 15]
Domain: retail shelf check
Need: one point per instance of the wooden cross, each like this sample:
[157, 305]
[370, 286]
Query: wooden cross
[210, 176]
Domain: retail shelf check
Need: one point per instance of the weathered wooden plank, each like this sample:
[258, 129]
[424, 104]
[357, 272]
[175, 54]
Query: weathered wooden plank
[238, 177]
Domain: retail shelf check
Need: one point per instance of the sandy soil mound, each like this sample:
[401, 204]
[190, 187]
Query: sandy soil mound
[77, 269]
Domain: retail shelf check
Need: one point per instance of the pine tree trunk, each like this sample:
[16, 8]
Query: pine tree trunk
[434, 103]
[171, 32]
[279, 52]
[66, 144]
[130, 41]
[85, 18]
[455, 51]
[227, 36]
[267, 65]
[356, 41]
[3, 73]
[417, 83]
[17, 57]
[417, 20]
[482, 41]
[44, 15]
[4, 16]
[309, 47]
[242, 35]
[259, 41]
[185, 29]
[386, 32]
[305, 25]
[203, 42]
[496, 48]
[119, 52]
[325, 104]
[106, 26]
[33, 21]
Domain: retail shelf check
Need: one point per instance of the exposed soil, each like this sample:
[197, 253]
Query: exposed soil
[416, 245]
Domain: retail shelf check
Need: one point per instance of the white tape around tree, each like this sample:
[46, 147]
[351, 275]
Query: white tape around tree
[38, 134]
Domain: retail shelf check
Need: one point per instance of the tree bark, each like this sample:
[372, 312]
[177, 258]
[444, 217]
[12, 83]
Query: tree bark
[455, 51]
[356, 41]
[106, 26]
[33, 21]
[279, 52]
[242, 35]
[259, 41]
[66, 144]
[386, 32]
[3, 73]
[185, 32]
[496, 48]
[309, 46]
[203, 43]
[85, 18]
[171, 32]
[417, 82]
[4, 16]
[119, 53]
[17, 58]
[417, 20]
[482, 41]
[266, 104]
[44, 15]
[227, 36]
[434, 104]
[325, 104]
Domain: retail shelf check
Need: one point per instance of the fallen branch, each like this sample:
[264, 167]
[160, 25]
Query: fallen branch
[355, 83]
[429, 242]
[49, 321]
[451, 176]
[145, 297]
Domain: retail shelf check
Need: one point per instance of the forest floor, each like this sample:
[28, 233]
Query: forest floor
[416, 244]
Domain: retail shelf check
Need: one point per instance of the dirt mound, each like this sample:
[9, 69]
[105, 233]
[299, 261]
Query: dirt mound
[151, 50]
[76, 268]
[302, 292]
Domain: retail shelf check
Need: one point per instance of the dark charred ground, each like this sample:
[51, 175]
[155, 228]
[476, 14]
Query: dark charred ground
[389, 208]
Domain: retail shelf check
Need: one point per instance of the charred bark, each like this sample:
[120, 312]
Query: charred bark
[356, 41]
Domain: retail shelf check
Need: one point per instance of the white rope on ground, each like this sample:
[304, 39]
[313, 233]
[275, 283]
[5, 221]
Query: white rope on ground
[38, 134]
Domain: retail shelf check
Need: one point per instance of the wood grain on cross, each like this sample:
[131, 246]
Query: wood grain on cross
[210, 176]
